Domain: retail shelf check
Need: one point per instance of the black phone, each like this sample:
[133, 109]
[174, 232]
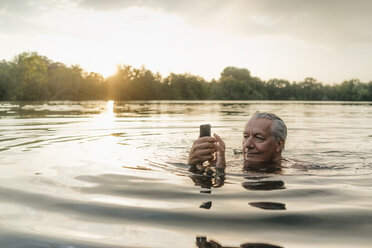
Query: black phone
[205, 130]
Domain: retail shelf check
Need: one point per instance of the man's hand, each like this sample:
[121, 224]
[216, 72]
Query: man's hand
[202, 150]
[219, 145]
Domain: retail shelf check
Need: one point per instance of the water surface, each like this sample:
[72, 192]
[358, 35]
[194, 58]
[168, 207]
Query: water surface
[113, 174]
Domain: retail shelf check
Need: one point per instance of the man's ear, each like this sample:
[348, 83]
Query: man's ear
[281, 143]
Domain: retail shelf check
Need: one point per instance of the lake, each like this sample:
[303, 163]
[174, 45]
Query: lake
[114, 174]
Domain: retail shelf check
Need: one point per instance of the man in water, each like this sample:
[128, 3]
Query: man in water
[264, 138]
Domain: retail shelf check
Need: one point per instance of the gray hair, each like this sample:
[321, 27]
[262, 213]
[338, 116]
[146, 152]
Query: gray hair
[278, 128]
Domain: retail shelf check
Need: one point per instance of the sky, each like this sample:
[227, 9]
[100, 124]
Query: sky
[329, 40]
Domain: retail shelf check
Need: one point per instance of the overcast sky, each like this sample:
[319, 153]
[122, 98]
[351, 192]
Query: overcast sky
[330, 40]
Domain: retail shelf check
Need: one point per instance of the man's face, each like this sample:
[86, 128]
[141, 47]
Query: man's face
[259, 144]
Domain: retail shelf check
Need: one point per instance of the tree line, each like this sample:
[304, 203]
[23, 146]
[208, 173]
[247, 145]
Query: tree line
[32, 77]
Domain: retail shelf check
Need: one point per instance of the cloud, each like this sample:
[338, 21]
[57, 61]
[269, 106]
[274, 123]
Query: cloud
[339, 21]
[180, 6]
[331, 21]
[330, 40]
[25, 17]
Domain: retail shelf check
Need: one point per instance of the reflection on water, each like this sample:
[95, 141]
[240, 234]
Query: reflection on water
[263, 185]
[268, 205]
[206, 205]
[201, 242]
[207, 181]
[113, 174]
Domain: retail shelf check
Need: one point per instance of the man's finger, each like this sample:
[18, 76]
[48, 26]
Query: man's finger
[220, 141]
[204, 145]
[218, 147]
[201, 158]
[206, 158]
[203, 152]
[205, 139]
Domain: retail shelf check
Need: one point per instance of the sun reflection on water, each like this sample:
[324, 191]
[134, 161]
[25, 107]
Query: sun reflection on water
[107, 117]
[110, 107]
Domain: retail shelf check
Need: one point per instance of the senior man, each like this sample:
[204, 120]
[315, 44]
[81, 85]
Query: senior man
[264, 138]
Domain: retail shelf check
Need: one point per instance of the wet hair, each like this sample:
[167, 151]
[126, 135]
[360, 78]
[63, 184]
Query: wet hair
[278, 128]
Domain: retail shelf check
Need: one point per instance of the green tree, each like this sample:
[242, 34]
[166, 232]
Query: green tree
[353, 90]
[92, 87]
[29, 76]
[309, 89]
[134, 84]
[5, 80]
[369, 88]
[237, 84]
[279, 89]
[64, 82]
[185, 87]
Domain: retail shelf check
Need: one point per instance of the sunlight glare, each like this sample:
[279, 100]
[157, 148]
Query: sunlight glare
[105, 66]
[107, 117]
[110, 107]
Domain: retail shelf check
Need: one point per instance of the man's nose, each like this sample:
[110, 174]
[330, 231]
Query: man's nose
[249, 143]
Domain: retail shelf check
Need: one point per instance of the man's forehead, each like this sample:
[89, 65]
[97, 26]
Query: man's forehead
[258, 125]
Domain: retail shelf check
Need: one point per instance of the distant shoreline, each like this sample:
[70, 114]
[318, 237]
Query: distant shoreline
[32, 77]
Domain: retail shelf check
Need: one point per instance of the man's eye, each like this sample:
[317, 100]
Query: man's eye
[246, 136]
[259, 137]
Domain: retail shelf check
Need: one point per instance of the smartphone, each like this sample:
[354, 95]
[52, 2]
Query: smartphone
[205, 130]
